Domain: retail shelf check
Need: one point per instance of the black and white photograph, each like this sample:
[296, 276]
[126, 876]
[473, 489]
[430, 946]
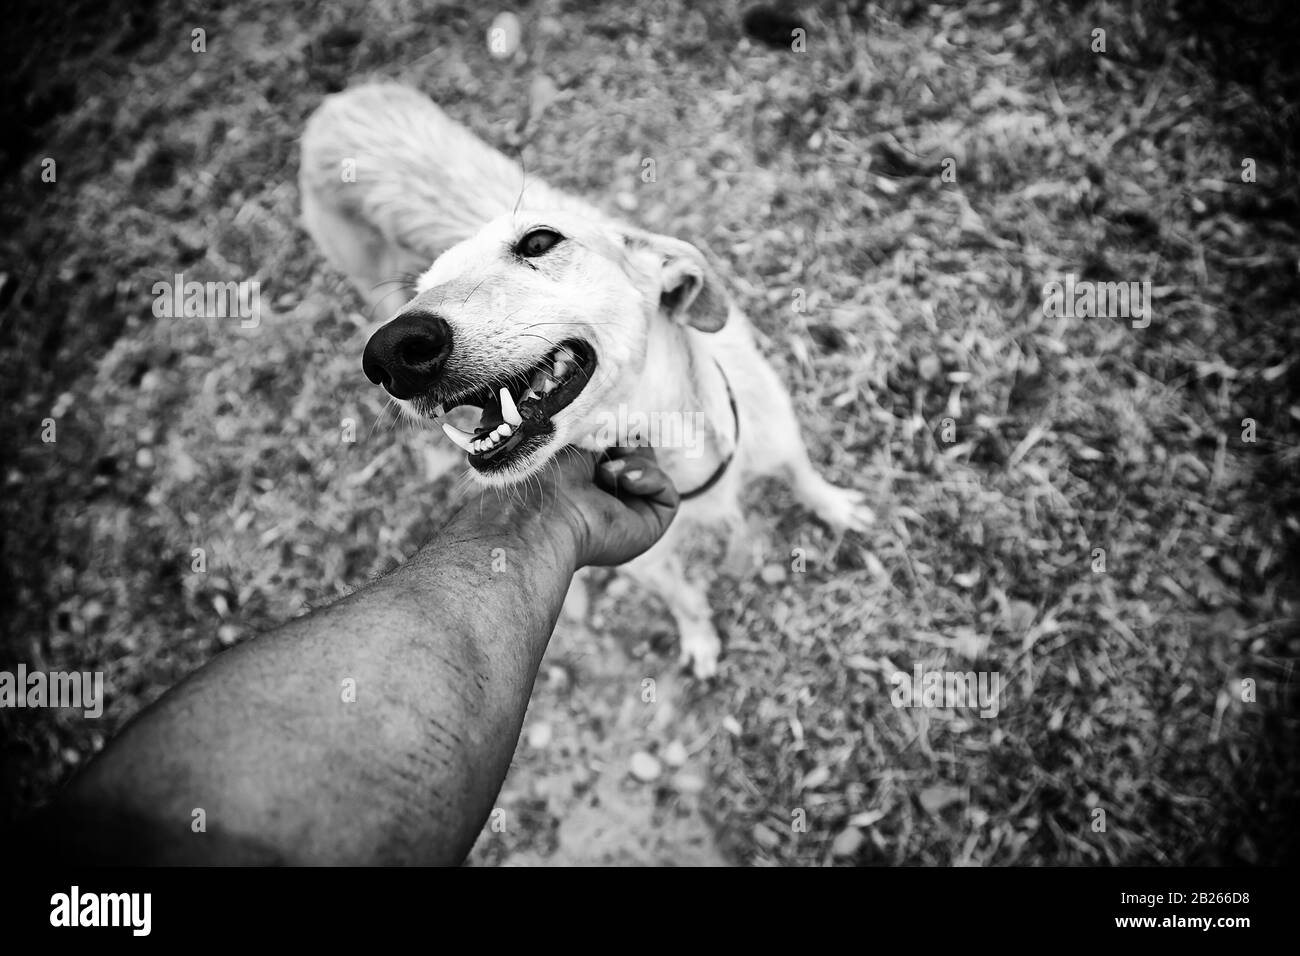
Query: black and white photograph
[666, 434]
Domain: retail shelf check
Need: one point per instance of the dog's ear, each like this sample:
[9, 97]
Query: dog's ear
[689, 288]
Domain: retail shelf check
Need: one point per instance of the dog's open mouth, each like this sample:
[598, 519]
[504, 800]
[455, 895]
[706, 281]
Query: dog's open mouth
[517, 409]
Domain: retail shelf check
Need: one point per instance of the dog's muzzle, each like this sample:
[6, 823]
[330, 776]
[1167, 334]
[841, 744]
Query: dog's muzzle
[407, 355]
[410, 356]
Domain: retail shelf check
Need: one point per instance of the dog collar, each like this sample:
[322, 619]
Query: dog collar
[722, 468]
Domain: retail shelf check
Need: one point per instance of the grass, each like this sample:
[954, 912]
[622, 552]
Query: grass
[811, 175]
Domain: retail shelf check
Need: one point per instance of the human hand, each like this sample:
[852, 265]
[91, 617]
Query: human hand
[619, 503]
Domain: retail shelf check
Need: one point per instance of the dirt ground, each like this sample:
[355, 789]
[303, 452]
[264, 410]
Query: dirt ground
[1001, 447]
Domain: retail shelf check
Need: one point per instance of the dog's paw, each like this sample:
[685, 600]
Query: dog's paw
[844, 509]
[700, 651]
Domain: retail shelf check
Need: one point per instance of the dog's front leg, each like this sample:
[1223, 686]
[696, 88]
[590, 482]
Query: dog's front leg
[782, 452]
[661, 572]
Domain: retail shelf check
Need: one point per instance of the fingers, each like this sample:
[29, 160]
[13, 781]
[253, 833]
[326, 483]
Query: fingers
[624, 499]
[636, 471]
[621, 452]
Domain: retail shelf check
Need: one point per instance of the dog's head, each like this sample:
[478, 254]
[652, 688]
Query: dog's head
[543, 320]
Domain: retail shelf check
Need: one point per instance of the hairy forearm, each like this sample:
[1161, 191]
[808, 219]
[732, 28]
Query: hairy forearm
[377, 730]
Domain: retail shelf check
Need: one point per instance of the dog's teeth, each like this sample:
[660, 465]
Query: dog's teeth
[461, 438]
[531, 395]
[503, 431]
[563, 362]
[508, 410]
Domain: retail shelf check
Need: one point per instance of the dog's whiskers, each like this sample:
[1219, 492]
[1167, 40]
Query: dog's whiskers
[534, 325]
[379, 418]
[523, 184]
[407, 279]
[403, 282]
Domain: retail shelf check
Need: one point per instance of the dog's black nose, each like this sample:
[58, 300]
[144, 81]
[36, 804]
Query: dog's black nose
[406, 356]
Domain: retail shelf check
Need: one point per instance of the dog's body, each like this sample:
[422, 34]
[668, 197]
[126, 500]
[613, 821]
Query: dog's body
[391, 185]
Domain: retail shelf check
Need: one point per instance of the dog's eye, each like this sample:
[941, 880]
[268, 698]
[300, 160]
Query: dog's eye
[537, 243]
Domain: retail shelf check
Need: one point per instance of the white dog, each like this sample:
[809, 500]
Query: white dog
[564, 325]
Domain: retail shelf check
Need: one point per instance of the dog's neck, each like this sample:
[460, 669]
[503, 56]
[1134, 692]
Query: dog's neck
[683, 381]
